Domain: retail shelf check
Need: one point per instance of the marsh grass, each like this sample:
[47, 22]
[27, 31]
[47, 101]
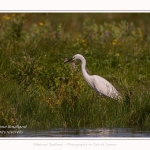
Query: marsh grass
[40, 91]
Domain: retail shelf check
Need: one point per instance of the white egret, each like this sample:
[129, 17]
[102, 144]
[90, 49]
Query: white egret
[99, 84]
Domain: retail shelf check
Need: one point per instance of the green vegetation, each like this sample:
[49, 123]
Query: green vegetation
[40, 91]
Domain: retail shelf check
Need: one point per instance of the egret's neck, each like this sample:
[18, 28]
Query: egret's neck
[83, 66]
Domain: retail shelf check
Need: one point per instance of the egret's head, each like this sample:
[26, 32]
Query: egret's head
[77, 56]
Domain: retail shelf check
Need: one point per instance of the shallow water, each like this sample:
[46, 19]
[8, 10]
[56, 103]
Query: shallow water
[99, 132]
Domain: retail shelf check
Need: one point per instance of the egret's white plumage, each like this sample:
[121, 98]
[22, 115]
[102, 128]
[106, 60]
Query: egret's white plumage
[99, 84]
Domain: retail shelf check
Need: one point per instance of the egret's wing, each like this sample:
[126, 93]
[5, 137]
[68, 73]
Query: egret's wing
[100, 85]
[103, 87]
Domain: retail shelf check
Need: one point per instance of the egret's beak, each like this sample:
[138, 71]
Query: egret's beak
[68, 60]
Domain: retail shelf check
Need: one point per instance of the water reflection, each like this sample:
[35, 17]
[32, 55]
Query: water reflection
[99, 132]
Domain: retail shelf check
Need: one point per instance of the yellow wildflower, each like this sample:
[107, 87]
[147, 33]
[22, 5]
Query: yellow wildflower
[41, 23]
[114, 42]
[117, 54]
[6, 17]
[13, 15]
[140, 32]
